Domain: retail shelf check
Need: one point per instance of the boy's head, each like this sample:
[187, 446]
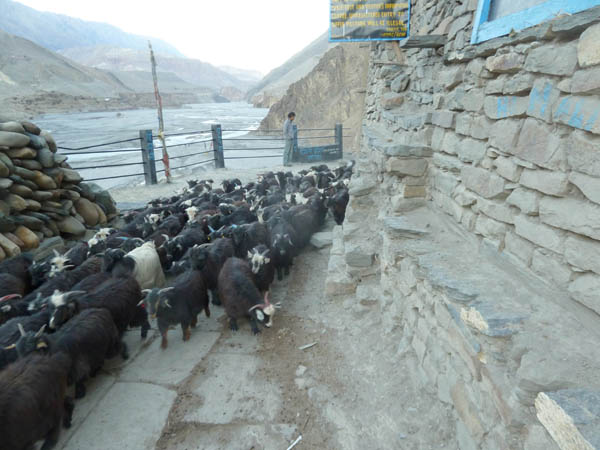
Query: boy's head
[292, 115]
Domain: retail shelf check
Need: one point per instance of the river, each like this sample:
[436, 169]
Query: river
[190, 124]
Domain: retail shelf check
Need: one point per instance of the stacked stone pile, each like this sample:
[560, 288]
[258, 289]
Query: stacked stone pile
[41, 196]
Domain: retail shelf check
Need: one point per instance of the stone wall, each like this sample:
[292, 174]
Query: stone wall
[499, 142]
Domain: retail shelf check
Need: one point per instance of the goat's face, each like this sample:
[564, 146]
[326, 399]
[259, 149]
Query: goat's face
[282, 243]
[111, 257]
[39, 272]
[62, 306]
[199, 256]
[150, 301]
[30, 342]
[257, 259]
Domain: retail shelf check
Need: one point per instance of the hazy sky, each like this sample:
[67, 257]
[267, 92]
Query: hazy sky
[250, 34]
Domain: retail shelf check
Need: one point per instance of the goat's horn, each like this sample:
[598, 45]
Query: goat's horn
[41, 331]
[10, 297]
[21, 329]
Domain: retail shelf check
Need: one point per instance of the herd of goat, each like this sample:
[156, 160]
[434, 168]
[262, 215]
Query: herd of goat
[62, 317]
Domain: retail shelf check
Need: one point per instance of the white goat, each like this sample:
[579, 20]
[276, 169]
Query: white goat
[147, 269]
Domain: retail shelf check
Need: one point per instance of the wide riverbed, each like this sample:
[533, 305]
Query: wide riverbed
[85, 129]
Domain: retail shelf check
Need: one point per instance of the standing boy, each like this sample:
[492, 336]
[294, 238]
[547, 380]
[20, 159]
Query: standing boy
[288, 135]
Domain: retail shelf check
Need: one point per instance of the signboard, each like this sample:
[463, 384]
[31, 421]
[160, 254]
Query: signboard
[369, 20]
[323, 153]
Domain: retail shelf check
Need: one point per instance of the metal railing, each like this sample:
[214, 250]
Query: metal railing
[205, 147]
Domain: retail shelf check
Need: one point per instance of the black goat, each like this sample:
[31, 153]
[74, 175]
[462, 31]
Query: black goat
[337, 204]
[179, 304]
[18, 267]
[240, 296]
[282, 246]
[10, 284]
[33, 404]
[209, 258]
[88, 338]
[246, 237]
[262, 267]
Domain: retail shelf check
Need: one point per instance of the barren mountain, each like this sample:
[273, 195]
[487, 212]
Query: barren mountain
[57, 31]
[191, 71]
[274, 85]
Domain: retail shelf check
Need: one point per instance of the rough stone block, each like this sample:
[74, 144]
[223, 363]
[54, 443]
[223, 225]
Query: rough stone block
[471, 150]
[358, 257]
[483, 182]
[507, 168]
[553, 59]
[498, 211]
[459, 24]
[473, 100]
[571, 214]
[588, 47]
[524, 199]
[583, 155]
[444, 181]
[450, 77]
[520, 248]
[540, 146]
[541, 98]
[550, 268]
[583, 253]
[495, 86]
[322, 239]
[437, 138]
[450, 143]
[539, 234]
[590, 186]
[578, 112]
[585, 291]
[481, 127]
[408, 191]
[519, 84]
[504, 134]
[444, 119]
[508, 62]
[467, 411]
[490, 228]
[571, 417]
[400, 83]
[463, 123]
[586, 81]
[407, 166]
[392, 100]
[447, 162]
[503, 107]
[551, 183]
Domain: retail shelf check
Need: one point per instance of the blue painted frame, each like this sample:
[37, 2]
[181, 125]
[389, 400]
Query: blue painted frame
[484, 30]
[370, 40]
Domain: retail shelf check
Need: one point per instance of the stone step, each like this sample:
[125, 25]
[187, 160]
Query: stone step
[388, 144]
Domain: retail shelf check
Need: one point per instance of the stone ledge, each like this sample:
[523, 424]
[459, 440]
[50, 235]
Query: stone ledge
[388, 147]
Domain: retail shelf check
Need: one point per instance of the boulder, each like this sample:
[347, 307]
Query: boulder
[67, 205]
[322, 239]
[10, 248]
[28, 237]
[37, 215]
[30, 164]
[45, 157]
[7, 223]
[71, 176]
[15, 239]
[71, 195]
[13, 140]
[7, 161]
[59, 159]
[32, 205]
[29, 221]
[101, 216]
[4, 208]
[2, 254]
[47, 232]
[87, 191]
[48, 246]
[5, 183]
[53, 227]
[44, 181]
[24, 173]
[19, 180]
[107, 204]
[41, 196]
[14, 127]
[88, 211]
[35, 141]
[70, 225]
[16, 202]
[21, 190]
[49, 140]
[4, 170]
[56, 174]
[31, 128]
[21, 153]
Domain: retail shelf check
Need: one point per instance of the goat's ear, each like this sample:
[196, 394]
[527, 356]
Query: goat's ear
[267, 260]
[249, 255]
[56, 252]
[5, 308]
[21, 329]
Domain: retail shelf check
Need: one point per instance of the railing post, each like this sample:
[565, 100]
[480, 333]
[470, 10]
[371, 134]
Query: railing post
[338, 139]
[148, 156]
[295, 152]
[217, 138]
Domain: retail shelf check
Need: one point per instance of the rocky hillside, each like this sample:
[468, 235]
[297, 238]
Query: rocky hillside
[191, 71]
[333, 92]
[274, 85]
[57, 32]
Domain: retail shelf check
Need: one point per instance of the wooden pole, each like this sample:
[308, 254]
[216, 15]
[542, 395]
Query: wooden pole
[161, 123]
[217, 137]
[148, 156]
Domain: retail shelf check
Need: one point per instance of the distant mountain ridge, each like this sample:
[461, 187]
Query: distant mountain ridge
[58, 32]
